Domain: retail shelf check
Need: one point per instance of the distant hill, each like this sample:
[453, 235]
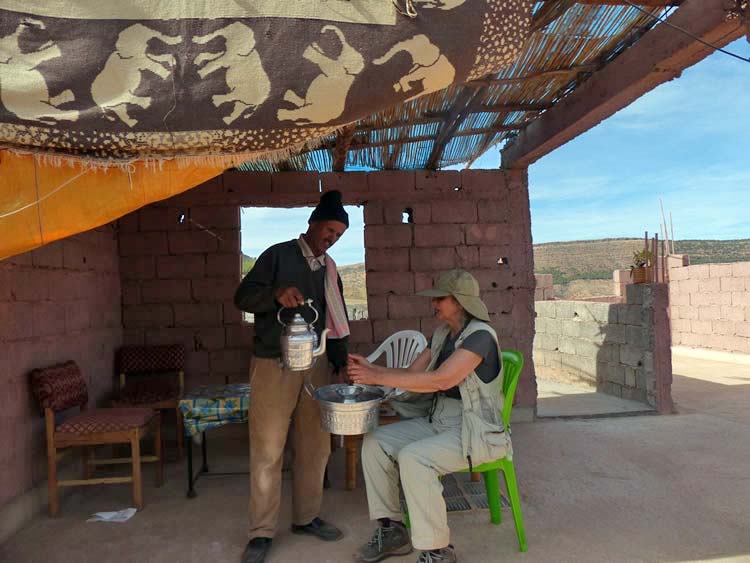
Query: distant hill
[584, 268]
[579, 268]
[587, 259]
[247, 263]
[596, 259]
[353, 278]
[706, 251]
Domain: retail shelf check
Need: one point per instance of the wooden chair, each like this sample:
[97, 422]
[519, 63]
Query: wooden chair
[61, 387]
[153, 377]
[400, 349]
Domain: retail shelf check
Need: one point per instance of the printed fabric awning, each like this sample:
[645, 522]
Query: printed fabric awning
[125, 85]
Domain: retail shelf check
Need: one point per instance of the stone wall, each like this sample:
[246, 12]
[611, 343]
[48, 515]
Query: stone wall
[622, 349]
[57, 303]
[711, 306]
[178, 279]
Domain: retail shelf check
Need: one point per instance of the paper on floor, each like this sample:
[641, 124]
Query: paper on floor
[119, 516]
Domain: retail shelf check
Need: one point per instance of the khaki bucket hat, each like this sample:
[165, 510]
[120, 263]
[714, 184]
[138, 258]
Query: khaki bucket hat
[464, 288]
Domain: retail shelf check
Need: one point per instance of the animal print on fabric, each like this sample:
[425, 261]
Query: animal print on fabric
[121, 81]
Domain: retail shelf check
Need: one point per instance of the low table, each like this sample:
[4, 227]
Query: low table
[207, 407]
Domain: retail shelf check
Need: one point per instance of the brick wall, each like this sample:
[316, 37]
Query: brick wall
[178, 280]
[711, 306]
[620, 348]
[545, 289]
[59, 302]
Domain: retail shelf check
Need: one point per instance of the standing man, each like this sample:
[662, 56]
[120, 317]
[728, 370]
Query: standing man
[285, 275]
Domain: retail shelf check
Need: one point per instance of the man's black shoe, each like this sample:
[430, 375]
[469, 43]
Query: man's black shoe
[320, 529]
[255, 550]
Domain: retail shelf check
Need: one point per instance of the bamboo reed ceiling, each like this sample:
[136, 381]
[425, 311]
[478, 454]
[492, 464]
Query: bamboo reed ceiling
[569, 41]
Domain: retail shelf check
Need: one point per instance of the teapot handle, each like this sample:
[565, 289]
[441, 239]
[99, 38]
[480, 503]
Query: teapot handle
[307, 302]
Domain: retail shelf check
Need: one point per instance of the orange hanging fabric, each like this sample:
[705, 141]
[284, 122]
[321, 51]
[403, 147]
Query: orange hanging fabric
[41, 203]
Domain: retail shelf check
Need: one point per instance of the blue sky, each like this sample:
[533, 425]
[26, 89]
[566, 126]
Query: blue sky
[264, 226]
[686, 142]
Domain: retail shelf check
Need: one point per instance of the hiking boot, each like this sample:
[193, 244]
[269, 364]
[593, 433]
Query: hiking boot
[444, 555]
[320, 529]
[386, 541]
[255, 550]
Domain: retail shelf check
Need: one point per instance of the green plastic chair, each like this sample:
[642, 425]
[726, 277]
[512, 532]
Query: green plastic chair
[512, 365]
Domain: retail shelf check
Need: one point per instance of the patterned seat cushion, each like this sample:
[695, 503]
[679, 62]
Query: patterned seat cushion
[144, 391]
[106, 420]
[152, 359]
[59, 387]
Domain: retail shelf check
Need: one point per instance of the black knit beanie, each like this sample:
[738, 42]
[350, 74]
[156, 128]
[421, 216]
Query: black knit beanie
[330, 208]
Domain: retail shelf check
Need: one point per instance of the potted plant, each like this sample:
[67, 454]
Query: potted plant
[641, 269]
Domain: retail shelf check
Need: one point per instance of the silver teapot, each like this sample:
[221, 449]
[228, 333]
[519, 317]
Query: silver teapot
[299, 341]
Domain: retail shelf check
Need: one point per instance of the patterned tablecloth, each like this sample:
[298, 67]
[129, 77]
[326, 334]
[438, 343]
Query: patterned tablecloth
[210, 406]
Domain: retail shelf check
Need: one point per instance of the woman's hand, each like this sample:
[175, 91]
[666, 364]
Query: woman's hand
[362, 371]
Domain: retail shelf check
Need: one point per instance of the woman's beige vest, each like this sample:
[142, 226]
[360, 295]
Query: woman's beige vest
[483, 437]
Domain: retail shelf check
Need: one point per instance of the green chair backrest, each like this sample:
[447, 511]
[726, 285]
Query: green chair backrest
[512, 366]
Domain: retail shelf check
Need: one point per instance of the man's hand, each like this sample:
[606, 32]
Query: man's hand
[341, 376]
[289, 297]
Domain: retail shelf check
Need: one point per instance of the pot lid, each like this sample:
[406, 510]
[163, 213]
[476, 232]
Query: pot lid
[348, 394]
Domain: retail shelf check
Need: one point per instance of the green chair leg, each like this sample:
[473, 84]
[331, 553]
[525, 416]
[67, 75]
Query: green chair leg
[492, 485]
[515, 502]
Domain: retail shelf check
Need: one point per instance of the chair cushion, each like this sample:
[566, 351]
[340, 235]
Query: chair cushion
[145, 359]
[59, 387]
[106, 420]
[141, 391]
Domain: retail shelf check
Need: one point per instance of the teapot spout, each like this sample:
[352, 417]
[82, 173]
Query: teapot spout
[321, 349]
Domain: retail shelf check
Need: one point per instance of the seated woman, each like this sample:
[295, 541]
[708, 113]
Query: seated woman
[463, 427]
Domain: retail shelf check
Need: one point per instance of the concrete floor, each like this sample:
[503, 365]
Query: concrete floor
[557, 399]
[641, 488]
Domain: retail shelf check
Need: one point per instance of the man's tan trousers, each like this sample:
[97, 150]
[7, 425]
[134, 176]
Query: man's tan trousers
[418, 452]
[278, 398]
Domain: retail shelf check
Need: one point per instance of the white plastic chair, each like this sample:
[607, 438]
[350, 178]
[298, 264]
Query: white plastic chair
[400, 348]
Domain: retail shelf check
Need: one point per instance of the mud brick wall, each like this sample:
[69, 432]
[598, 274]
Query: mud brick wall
[59, 302]
[545, 289]
[710, 306]
[620, 348]
[178, 280]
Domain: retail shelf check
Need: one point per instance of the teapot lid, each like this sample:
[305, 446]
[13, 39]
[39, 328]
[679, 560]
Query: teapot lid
[349, 394]
[298, 319]
[297, 322]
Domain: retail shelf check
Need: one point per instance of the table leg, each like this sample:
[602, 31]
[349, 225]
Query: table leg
[191, 489]
[351, 444]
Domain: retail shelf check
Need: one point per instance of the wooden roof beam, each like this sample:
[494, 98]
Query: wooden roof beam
[343, 140]
[359, 143]
[659, 56]
[548, 13]
[466, 102]
[546, 74]
[438, 117]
